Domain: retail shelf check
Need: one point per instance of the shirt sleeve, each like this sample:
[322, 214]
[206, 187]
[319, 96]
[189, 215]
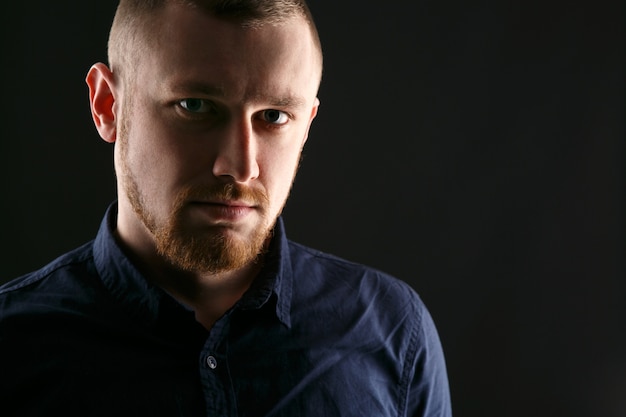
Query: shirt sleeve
[428, 390]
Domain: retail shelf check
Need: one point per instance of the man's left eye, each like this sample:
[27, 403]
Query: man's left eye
[276, 117]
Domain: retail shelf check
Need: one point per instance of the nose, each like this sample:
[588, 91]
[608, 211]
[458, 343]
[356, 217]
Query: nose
[236, 155]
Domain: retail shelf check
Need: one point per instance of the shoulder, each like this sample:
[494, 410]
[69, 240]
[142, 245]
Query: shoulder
[327, 283]
[324, 269]
[57, 274]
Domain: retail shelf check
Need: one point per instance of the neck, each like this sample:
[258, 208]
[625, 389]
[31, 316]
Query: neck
[210, 295]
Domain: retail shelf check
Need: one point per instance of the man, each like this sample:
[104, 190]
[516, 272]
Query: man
[191, 301]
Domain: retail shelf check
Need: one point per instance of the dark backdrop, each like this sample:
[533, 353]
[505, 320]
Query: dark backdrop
[473, 149]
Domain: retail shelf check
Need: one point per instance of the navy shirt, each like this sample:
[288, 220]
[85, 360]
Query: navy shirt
[315, 335]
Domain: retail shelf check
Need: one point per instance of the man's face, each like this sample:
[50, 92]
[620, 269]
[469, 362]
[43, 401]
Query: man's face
[210, 136]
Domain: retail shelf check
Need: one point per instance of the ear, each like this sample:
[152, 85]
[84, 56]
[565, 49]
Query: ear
[102, 100]
[316, 105]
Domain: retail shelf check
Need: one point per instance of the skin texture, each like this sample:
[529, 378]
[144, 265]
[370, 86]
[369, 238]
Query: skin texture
[208, 140]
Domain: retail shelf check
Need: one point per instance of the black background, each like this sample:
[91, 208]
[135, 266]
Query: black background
[473, 149]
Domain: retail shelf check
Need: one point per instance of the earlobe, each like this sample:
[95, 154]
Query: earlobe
[102, 101]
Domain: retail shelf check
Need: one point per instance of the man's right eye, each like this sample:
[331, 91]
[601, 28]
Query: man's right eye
[196, 105]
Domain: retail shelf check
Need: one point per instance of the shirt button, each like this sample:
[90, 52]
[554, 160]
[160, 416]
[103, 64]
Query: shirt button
[211, 362]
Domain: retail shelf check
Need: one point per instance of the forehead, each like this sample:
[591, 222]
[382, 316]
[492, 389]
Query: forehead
[189, 45]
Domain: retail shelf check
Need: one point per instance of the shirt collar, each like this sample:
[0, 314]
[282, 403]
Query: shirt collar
[129, 286]
[274, 279]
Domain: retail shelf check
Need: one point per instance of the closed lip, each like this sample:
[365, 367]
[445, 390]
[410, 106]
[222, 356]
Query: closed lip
[224, 211]
[227, 203]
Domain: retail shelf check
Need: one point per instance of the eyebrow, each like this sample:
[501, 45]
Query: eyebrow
[290, 100]
[281, 101]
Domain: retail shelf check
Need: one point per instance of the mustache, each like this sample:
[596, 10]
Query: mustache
[222, 192]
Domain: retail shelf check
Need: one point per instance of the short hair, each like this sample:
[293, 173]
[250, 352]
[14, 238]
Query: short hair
[132, 20]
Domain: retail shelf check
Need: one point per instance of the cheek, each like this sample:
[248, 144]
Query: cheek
[178, 156]
[279, 171]
[151, 161]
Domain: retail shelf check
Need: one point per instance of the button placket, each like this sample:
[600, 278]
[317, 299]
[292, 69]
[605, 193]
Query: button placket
[213, 365]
